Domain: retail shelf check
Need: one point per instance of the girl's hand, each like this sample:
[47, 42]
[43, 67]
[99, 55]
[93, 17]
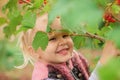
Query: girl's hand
[109, 51]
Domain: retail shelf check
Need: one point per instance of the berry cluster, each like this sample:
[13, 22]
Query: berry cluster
[23, 1]
[118, 2]
[109, 18]
[45, 2]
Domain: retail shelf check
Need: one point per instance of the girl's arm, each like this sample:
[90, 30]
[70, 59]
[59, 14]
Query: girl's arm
[109, 51]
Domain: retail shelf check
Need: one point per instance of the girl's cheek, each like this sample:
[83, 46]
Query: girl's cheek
[52, 45]
[71, 41]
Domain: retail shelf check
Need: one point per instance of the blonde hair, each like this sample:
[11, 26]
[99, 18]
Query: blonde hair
[27, 37]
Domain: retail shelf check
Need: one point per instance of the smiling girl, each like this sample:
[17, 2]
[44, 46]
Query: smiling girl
[59, 61]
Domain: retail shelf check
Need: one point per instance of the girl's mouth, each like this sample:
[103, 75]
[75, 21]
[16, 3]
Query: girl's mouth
[63, 51]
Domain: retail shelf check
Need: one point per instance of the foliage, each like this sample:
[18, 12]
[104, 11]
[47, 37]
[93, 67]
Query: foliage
[95, 20]
[73, 18]
[113, 35]
[40, 37]
[111, 70]
[78, 41]
[9, 55]
[2, 21]
[29, 19]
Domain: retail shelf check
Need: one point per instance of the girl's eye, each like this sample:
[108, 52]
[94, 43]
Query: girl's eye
[64, 36]
[52, 39]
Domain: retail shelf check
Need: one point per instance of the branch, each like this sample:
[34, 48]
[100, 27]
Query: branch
[90, 36]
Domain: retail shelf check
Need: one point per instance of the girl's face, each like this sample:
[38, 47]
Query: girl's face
[59, 48]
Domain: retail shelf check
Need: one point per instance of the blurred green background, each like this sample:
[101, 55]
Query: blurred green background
[11, 55]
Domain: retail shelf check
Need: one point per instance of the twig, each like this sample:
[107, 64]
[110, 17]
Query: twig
[90, 35]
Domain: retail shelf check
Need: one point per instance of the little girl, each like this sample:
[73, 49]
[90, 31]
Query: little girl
[59, 61]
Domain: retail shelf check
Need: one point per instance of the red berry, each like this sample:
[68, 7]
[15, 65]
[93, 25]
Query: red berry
[106, 16]
[20, 2]
[28, 0]
[45, 2]
[112, 20]
[118, 2]
[109, 18]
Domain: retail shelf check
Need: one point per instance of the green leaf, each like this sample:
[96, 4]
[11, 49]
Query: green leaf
[11, 27]
[29, 19]
[114, 36]
[103, 31]
[48, 28]
[16, 20]
[78, 41]
[110, 71]
[7, 31]
[15, 13]
[10, 55]
[76, 14]
[22, 28]
[103, 3]
[11, 5]
[2, 21]
[58, 9]
[116, 8]
[37, 3]
[40, 40]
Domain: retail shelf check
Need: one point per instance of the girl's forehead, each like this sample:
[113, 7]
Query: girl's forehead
[56, 25]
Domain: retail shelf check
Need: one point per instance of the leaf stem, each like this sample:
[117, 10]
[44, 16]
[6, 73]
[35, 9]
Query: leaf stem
[90, 36]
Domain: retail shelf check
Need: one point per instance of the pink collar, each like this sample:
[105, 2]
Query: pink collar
[40, 71]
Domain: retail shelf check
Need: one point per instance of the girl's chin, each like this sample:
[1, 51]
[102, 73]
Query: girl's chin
[65, 59]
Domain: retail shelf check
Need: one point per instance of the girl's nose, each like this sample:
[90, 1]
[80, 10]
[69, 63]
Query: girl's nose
[62, 41]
